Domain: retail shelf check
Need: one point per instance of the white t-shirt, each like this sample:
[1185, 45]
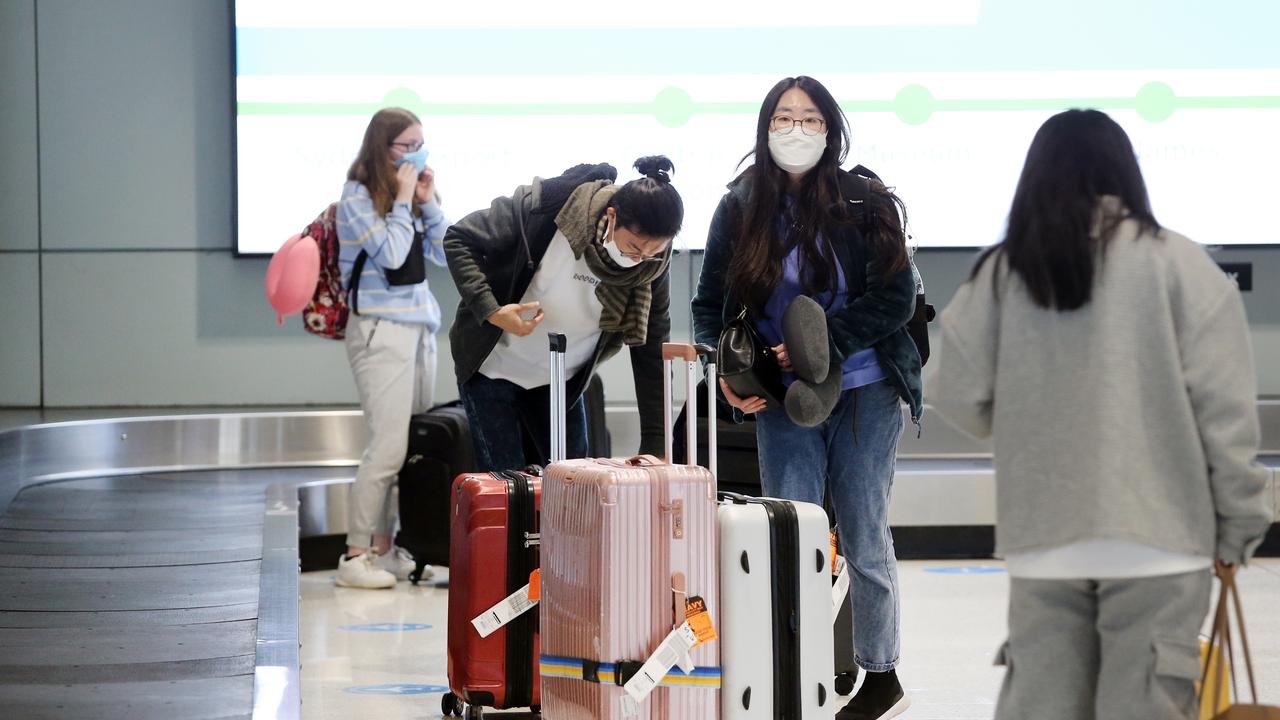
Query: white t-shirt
[1102, 559]
[566, 288]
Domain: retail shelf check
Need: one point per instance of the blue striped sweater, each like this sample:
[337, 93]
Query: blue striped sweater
[386, 239]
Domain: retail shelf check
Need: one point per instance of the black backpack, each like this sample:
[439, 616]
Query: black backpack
[918, 325]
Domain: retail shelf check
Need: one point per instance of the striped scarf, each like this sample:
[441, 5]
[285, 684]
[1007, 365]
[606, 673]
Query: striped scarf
[624, 293]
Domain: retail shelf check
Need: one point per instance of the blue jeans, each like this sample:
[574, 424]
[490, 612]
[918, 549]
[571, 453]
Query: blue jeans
[851, 453]
[501, 413]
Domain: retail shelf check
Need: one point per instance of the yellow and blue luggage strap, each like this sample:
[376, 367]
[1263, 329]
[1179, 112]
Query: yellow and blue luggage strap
[619, 673]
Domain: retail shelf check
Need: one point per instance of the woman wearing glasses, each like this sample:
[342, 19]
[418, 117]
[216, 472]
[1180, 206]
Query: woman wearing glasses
[388, 214]
[578, 255]
[794, 225]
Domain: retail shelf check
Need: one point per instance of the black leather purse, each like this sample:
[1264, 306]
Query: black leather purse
[414, 269]
[412, 272]
[747, 364]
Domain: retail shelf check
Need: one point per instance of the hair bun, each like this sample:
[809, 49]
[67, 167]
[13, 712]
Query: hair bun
[657, 167]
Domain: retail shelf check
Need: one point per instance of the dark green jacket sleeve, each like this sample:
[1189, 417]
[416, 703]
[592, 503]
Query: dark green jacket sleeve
[709, 300]
[646, 367]
[490, 235]
[879, 312]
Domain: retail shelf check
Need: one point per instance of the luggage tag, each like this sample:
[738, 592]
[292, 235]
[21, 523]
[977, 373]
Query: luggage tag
[510, 608]
[835, 553]
[839, 590]
[699, 620]
[673, 650]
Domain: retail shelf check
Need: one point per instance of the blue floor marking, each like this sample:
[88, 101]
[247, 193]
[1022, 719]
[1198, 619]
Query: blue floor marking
[966, 570]
[397, 689]
[385, 627]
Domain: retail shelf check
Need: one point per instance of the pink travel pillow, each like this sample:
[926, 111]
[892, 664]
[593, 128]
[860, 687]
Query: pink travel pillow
[292, 276]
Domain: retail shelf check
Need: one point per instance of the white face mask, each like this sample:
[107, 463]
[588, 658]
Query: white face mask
[611, 247]
[796, 152]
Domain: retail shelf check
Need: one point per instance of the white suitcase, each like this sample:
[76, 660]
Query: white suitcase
[777, 647]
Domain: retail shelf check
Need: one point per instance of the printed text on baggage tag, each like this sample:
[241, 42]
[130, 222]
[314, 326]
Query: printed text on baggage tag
[510, 608]
[699, 620]
[675, 647]
[839, 590]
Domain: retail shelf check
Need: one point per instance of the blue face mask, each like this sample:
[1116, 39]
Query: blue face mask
[419, 159]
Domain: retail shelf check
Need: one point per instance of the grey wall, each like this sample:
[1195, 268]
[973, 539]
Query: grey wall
[116, 270]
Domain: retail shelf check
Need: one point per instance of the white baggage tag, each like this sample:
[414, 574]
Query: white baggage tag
[840, 590]
[675, 648]
[515, 604]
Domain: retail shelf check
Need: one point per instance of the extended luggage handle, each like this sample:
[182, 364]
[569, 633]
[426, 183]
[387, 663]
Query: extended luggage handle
[559, 423]
[689, 354]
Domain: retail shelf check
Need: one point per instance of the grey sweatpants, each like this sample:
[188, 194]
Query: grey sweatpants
[1103, 649]
[394, 365]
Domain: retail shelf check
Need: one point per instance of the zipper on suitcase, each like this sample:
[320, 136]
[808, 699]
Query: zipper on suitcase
[784, 541]
[520, 563]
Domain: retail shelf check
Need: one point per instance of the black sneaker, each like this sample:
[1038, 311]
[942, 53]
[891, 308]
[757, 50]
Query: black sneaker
[881, 697]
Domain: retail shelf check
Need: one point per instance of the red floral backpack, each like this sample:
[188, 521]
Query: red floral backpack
[326, 314]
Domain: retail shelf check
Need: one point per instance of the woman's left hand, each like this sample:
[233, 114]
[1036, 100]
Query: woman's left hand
[426, 189]
[784, 359]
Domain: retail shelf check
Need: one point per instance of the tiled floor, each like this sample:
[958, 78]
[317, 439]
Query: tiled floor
[380, 654]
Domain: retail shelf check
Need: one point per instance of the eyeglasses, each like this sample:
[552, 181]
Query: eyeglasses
[408, 147]
[784, 124]
[635, 254]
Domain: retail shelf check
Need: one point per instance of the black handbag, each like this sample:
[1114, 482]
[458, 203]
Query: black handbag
[414, 269]
[747, 364]
[411, 272]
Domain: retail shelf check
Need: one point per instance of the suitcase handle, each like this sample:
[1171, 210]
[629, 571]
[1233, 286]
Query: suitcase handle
[689, 354]
[644, 461]
[559, 412]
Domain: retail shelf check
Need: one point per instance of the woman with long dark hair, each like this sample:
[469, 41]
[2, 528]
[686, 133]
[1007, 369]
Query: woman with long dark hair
[797, 231]
[1109, 358]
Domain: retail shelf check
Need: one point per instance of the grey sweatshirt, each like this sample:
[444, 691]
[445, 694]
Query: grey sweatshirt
[1131, 418]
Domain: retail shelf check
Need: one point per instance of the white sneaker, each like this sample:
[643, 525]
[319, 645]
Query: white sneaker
[362, 571]
[399, 562]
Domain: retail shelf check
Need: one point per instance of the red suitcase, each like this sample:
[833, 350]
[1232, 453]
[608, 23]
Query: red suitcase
[494, 528]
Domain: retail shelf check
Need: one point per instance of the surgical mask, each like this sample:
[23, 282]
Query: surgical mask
[796, 152]
[622, 261]
[419, 159]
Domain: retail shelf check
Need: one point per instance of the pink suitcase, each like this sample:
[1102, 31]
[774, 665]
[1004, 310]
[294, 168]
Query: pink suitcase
[624, 543]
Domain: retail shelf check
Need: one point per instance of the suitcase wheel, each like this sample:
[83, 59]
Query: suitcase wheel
[845, 683]
[416, 576]
[450, 705]
[475, 712]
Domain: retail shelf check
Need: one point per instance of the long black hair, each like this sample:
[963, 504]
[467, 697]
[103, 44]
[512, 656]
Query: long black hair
[1076, 158]
[650, 205]
[818, 209]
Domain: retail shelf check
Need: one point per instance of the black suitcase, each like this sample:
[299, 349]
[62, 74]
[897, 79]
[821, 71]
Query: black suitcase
[439, 450]
[738, 460]
[599, 443]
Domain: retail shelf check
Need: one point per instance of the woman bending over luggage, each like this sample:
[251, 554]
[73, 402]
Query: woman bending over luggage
[389, 223]
[1110, 360]
[816, 257]
[574, 254]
